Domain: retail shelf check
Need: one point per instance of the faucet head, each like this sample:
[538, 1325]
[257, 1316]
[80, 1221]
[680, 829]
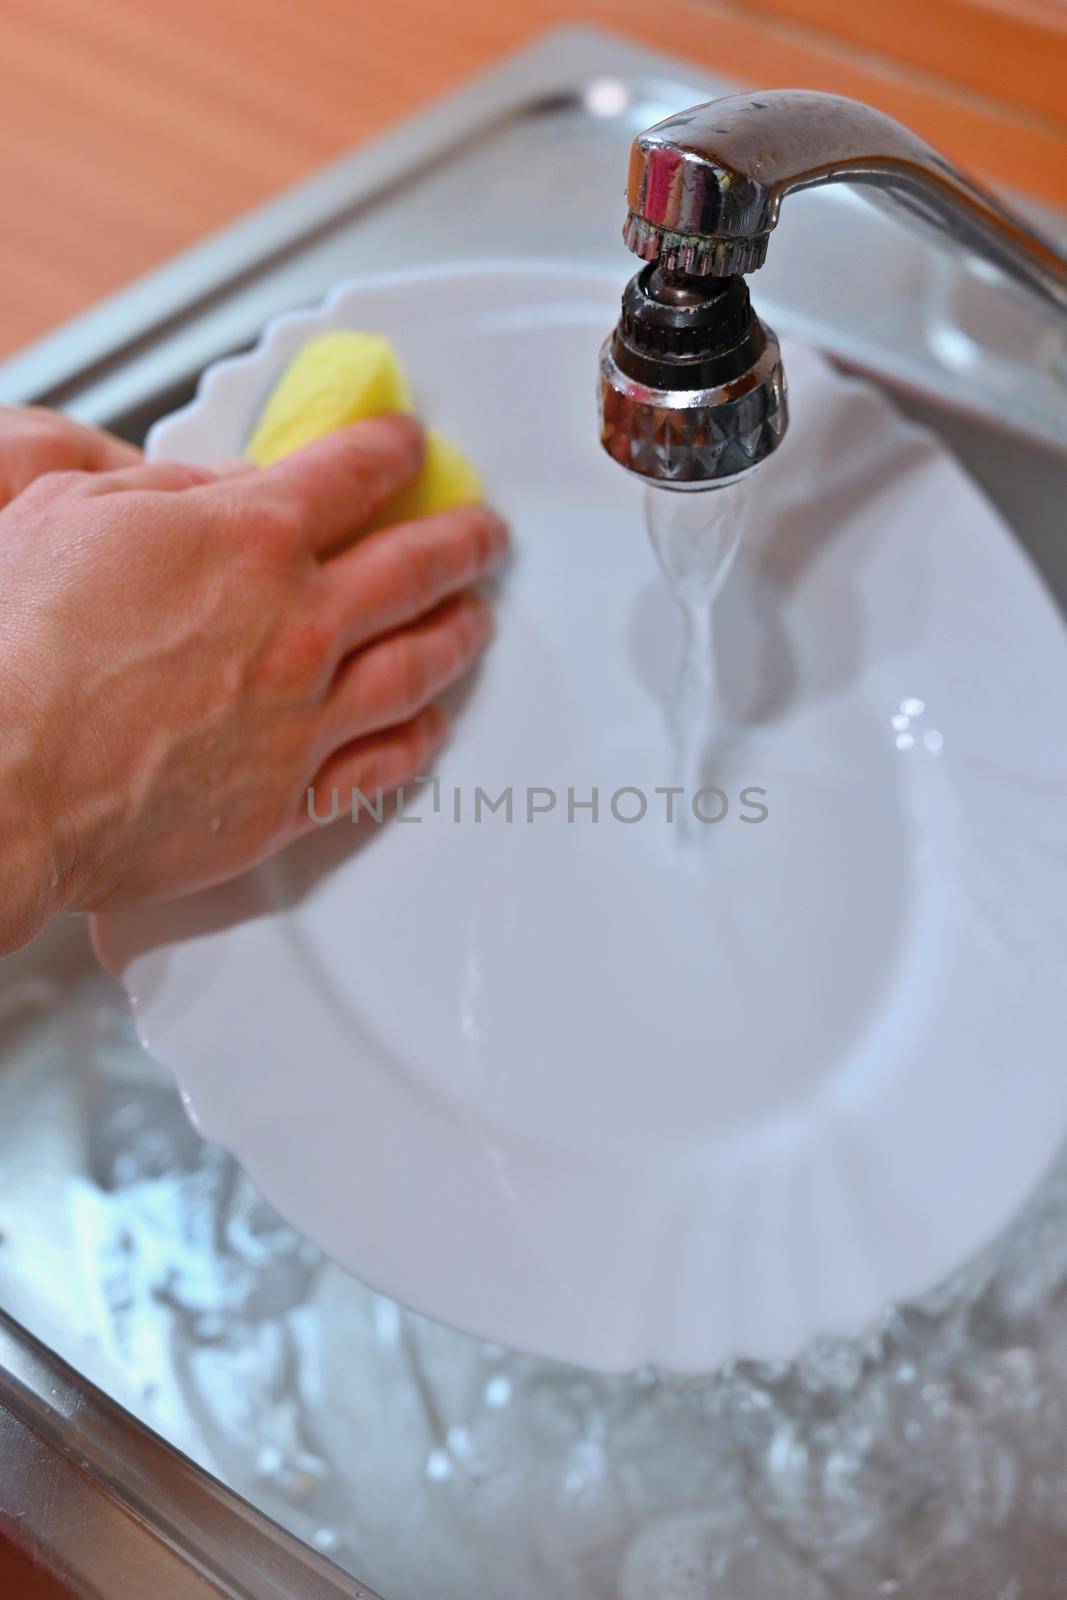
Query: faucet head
[694, 205]
[692, 391]
[706, 185]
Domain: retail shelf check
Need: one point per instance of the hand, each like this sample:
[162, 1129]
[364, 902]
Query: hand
[183, 653]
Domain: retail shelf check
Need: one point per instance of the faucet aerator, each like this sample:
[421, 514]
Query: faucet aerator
[692, 391]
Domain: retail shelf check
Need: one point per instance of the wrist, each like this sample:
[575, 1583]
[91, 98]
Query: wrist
[32, 887]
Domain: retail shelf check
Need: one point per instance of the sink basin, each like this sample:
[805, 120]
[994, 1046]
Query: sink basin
[421, 1461]
[600, 1089]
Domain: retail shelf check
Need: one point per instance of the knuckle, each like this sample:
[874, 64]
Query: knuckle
[473, 627]
[429, 571]
[360, 461]
[460, 646]
[491, 534]
[46, 486]
[186, 475]
[386, 448]
[390, 442]
[375, 479]
[426, 735]
[396, 762]
[272, 532]
[415, 749]
[308, 653]
[414, 674]
[482, 537]
[405, 430]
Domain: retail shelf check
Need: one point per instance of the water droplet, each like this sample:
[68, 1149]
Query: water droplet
[269, 1461]
[934, 741]
[905, 741]
[216, 824]
[913, 707]
[498, 1391]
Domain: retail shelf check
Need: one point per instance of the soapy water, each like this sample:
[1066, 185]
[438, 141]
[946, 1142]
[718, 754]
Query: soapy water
[926, 1459]
[695, 535]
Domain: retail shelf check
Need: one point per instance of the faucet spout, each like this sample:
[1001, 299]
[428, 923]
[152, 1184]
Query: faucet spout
[706, 186]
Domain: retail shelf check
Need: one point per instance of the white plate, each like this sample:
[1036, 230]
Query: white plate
[556, 1082]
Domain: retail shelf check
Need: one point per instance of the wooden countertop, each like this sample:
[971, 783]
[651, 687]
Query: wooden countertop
[128, 128]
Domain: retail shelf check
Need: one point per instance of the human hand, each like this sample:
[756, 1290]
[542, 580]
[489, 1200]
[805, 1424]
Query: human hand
[182, 654]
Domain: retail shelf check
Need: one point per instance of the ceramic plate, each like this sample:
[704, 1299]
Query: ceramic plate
[578, 1086]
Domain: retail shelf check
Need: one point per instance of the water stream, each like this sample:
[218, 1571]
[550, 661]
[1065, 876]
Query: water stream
[695, 536]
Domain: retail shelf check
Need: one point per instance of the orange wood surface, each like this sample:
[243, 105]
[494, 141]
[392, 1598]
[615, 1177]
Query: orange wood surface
[128, 128]
[1011, 51]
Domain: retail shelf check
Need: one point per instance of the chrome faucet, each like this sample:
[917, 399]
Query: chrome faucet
[692, 391]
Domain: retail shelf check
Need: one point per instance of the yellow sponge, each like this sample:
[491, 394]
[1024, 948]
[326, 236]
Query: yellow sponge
[338, 378]
[447, 479]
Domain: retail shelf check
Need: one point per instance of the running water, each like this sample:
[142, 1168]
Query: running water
[695, 535]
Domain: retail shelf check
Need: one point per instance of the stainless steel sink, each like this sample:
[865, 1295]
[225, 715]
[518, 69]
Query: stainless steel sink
[140, 1272]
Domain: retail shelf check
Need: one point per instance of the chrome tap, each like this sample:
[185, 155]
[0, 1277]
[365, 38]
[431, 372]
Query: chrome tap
[692, 391]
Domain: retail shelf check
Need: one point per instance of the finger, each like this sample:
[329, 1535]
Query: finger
[380, 763]
[392, 679]
[35, 441]
[102, 452]
[69, 446]
[160, 477]
[399, 573]
[335, 484]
